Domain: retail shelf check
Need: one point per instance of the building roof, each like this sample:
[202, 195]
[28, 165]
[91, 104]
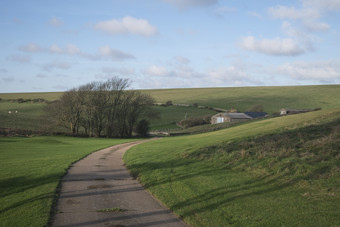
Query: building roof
[237, 115]
[256, 114]
[295, 110]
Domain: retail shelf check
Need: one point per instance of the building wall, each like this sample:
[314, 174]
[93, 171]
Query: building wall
[239, 120]
[215, 119]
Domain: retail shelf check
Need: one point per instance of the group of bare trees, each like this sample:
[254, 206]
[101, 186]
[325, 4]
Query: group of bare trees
[103, 109]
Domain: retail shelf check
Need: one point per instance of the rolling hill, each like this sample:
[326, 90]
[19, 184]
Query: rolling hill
[281, 171]
[271, 98]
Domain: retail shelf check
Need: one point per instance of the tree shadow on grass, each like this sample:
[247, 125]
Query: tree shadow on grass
[218, 197]
[17, 185]
[215, 196]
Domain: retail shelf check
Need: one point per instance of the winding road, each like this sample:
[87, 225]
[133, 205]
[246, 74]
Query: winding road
[99, 191]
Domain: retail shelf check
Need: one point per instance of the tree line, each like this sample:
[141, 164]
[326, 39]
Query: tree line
[103, 109]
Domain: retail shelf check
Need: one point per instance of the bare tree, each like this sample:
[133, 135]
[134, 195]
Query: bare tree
[103, 107]
[69, 110]
[116, 90]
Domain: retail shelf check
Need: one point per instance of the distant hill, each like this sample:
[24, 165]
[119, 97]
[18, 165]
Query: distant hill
[242, 98]
[282, 171]
[272, 99]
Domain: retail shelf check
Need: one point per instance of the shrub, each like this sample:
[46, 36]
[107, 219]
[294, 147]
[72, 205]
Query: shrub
[168, 103]
[191, 122]
[143, 127]
[20, 100]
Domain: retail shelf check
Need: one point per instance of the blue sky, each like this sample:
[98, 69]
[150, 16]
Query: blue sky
[58, 45]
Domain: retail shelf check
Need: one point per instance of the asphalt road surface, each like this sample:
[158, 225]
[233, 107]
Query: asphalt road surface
[99, 191]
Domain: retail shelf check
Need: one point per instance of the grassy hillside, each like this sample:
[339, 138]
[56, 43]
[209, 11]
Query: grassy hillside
[276, 172]
[271, 98]
[242, 98]
[21, 115]
[50, 96]
[169, 115]
[30, 170]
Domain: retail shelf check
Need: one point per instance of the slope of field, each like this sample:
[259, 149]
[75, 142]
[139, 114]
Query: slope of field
[242, 98]
[30, 170]
[170, 115]
[271, 98]
[49, 96]
[277, 172]
[21, 115]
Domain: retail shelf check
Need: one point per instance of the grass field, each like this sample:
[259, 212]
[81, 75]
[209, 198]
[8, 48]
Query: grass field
[49, 96]
[277, 172]
[271, 98]
[21, 115]
[30, 170]
[242, 98]
[174, 114]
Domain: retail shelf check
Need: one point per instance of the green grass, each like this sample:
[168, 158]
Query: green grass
[276, 172]
[242, 98]
[30, 170]
[50, 96]
[171, 114]
[23, 115]
[114, 210]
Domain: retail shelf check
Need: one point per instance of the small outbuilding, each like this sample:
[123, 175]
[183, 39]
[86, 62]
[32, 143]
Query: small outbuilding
[286, 111]
[229, 117]
[257, 114]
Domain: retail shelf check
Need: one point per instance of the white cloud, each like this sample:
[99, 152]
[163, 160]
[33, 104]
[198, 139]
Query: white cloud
[69, 49]
[277, 46]
[308, 17]
[113, 71]
[185, 76]
[127, 25]
[56, 22]
[182, 60]
[104, 52]
[113, 54]
[316, 26]
[2, 70]
[8, 79]
[220, 11]
[320, 71]
[155, 70]
[20, 58]
[186, 4]
[59, 65]
[56, 49]
[255, 14]
[40, 75]
[228, 75]
[284, 12]
[323, 4]
[30, 47]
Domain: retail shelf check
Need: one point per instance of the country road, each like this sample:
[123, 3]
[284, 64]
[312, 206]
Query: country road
[99, 191]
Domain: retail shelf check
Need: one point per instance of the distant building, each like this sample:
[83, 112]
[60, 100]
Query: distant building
[286, 111]
[257, 114]
[229, 117]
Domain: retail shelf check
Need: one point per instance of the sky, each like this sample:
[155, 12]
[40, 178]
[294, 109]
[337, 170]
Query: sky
[49, 45]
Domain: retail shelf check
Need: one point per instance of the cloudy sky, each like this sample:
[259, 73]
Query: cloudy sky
[58, 45]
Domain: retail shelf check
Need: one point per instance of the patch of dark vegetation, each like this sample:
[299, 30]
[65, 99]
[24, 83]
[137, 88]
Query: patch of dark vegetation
[22, 100]
[114, 209]
[97, 186]
[28, 133]
[309, 153]
[191, 122]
